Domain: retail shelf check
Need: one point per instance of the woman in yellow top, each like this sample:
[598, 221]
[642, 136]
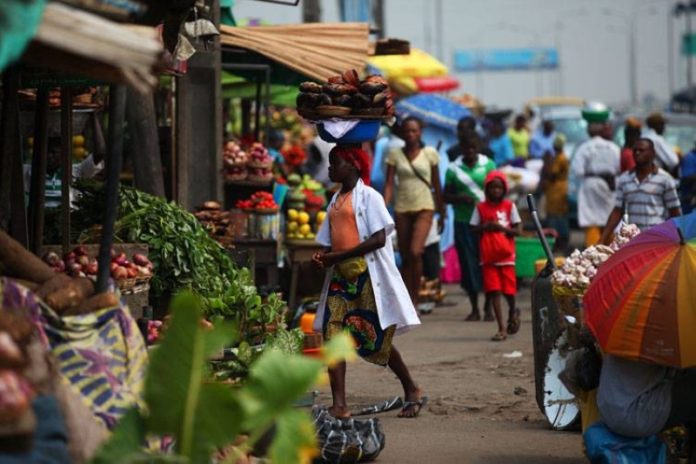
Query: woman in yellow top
[519, 136]
[416, 168]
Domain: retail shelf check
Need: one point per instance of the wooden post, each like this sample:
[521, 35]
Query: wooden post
[37, 194]
[142, 125]
[9, 140]
[66, 134]
[117, 113]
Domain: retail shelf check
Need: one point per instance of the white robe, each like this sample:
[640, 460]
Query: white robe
[595, 199]
[393, 302]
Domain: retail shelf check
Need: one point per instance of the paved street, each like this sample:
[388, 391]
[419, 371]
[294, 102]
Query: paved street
[482, 407]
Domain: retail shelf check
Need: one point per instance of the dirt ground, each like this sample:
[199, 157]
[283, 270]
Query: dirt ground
[481, 408]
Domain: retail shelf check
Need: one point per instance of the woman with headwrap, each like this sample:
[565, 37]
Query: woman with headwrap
[417, 197]
[363, 291]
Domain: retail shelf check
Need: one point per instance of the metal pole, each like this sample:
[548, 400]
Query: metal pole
[633, 66]
[66, 134]
[438, 29]
[559, 72]
[670, 52]
[9, 143]
[117, 115]
[378, 17]
[37, 193]
[689, 57]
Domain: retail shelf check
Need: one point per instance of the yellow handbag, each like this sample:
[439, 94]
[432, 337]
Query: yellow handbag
[351, 268]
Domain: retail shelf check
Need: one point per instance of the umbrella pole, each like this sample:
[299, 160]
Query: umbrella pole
[117, 113]
[540, 233]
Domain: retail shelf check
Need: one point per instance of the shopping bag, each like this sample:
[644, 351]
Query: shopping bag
[605, 447]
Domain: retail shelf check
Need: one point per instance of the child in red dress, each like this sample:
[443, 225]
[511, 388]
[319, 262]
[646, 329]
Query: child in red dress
[498, 221]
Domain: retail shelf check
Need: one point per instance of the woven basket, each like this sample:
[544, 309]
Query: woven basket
[126, 284]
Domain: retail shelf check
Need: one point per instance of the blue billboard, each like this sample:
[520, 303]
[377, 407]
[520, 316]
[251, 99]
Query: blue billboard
[503, 59]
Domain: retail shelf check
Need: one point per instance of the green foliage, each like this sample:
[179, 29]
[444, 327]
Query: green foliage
[183, 254]
[184, 402]
[201, 415]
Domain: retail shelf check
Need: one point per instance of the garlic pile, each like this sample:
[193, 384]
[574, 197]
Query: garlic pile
[626, 233]
[580, 267]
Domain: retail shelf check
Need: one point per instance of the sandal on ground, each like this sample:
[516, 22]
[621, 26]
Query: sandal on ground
[499, 337]
[414, 406]
[513, 325]
[488, 317]
[473, 317]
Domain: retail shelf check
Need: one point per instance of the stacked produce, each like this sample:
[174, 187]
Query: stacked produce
[580, 268]
[260, 163]
[346, 95]
[260, 201]
[626, 233]
[305, 203]
[234, 162]
[217, 222]
[300, 226]
[254, 164]
[78, 263]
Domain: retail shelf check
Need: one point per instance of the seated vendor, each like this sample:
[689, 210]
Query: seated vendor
[638, 399]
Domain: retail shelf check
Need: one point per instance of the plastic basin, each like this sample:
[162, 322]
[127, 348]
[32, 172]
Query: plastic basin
[364, 131]
[528, 250]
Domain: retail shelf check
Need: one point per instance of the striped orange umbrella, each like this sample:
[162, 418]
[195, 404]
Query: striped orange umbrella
[642, 303]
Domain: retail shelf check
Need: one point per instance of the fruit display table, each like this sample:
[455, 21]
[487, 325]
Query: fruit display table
[298, 252]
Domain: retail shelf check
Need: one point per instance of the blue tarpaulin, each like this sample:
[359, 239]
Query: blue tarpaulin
[433, 110]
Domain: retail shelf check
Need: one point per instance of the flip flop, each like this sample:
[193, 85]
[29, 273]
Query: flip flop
[417, 405]
[383, 406]
[499, 337]
[513, 325]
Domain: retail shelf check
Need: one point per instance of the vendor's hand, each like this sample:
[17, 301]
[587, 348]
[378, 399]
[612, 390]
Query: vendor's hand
[329, 259]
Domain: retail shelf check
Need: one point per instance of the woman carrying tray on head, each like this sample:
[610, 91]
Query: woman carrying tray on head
[363, 291]
[415, 166]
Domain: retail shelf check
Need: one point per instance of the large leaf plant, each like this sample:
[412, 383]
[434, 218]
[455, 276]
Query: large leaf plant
[203, 416]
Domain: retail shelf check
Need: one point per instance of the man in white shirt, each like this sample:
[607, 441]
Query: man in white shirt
[667, 158]
[86, 169]
[596, 163]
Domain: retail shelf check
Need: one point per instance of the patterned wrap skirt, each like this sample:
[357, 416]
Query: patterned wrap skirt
[350, 306]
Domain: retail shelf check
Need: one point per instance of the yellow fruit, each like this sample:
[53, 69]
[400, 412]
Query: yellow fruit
[79, 153]
[305, 229]
[292, 214]
[78, 140]
[310, 236]
[292, 226]
[303, 218]
[321, 215]
[292, 235]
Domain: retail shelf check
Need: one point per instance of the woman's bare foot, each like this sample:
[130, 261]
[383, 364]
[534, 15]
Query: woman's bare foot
[339, 412]
[415, 400]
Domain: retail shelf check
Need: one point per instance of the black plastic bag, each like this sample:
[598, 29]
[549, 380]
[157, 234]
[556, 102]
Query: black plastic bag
[347, 441]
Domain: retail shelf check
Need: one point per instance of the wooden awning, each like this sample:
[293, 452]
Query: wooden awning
[316, 50]
[86, 45]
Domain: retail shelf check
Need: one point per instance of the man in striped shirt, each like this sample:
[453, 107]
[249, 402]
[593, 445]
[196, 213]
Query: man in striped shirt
[647, 193]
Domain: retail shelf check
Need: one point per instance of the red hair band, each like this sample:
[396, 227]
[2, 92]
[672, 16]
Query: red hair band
[358, 158]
